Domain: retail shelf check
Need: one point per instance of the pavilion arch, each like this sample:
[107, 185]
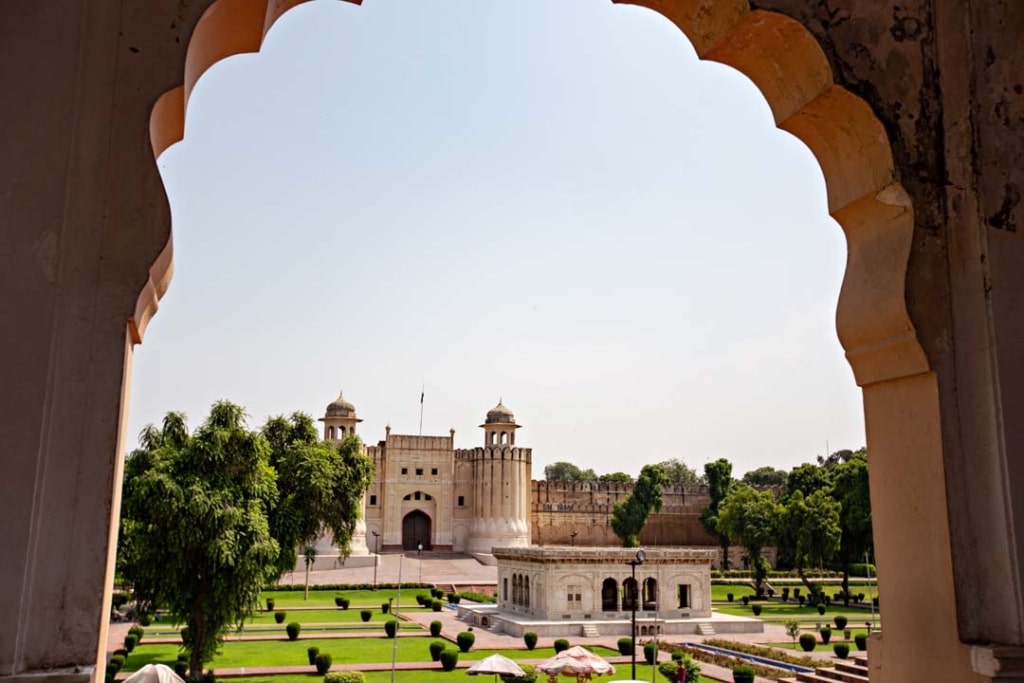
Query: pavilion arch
[901, 394]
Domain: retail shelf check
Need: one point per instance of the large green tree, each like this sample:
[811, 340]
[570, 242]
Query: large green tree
[678, 472]
[630, 515]
[615, 478]
[749, 517]
[850, 488]
[566, 471]
[767, 476]
[200, 512]
[718, 476]
[808, 528]
[807, 479]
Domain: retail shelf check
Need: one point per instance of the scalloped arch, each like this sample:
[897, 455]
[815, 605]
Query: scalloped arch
[785, 62]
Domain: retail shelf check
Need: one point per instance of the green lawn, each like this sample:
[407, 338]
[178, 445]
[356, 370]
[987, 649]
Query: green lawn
[783, 611]
[343, 651]
[358, 599]
[319, 616]
[819, 646]
[720, 592]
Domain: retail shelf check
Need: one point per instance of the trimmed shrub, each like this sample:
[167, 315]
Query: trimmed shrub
[746, 599]
[826, 635]
[293, 629]
[365, 614]
[821, 609]
[435, 629]
[121, 651]
[436, 605]
[345, 602]
[756, 609]
[842, 650]
[449, 658]
[801, 599]
[322, 663]
[311, 653]
[530, 639]
[183, 657]
[391, 627]
[337, 600]
[436, 648]
[345, 677]
[529, 675]
[116, 663]
[730, 597]
[840, 621]
[184, 635]
[385, 607]
[561, 644]
[465, 640]
[130, 641]
[139, 632]
[862, 641]
[145, 619]
[807, 642]
[670, 669]
[625, 646]
[677, 655]
[270, 604]
[846, 633]
[451, 597]
[437, 593]
[279, 617]
[743, 674]
[650, 652]
[455, 599]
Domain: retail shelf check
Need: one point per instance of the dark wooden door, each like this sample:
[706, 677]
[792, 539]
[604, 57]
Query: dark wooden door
[416, 530]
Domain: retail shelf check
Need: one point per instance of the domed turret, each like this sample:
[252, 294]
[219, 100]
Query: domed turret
[500, 426]
[339, 419]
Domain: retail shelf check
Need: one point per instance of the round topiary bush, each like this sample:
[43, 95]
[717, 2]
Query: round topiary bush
[465, 640]
[345, 602]
[322, 663]
[650, 652]
[808, 642]
[116, 663]
[625, 646]
[139, 632]
[436, 648]
[345, 677]
[746, 599]
[743, 674]
[293, 629]
[436, 605]
[435, 628]
[270, 604]
[862, 641]
[130, 641]
[311, 653]
[756, 609]
[449, 658]
[385, 607]
[365, 614]
[730, 597]
[821, 609]
[561, 644]
[145, 619]
[669, 670]
[279, 617]
[391, 627]
[842, 650]
[826, 634]
[840, 621]
[530, 638]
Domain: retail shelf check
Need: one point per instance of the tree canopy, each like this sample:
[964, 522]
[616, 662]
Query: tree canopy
[809, 529]
[678, 472]
[850, 488]
[807, 479]
[566, 471]
[766, 476]
[718, 475]
[750, 517]
[615, 477]
[209, 518]
[630, 515]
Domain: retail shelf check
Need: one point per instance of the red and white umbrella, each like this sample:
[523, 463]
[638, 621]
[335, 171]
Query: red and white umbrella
[496, 664]
[576, 661]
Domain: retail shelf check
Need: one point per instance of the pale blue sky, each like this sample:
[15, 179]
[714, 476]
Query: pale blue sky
[550, 201]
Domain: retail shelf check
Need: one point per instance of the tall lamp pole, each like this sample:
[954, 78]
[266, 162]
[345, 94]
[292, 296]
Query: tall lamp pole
[419, 558]
[376, 559]
[634, 594]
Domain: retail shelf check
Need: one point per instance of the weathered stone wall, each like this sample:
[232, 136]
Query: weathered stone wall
[559, 508]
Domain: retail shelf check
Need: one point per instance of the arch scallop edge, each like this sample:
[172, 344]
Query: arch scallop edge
[785, 62]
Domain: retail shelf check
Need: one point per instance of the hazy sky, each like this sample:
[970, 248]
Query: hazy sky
[549, 201]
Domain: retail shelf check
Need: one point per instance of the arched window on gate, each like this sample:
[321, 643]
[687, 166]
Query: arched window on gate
[650, 594]
[610, 595]
[526, 591]
[630, 593]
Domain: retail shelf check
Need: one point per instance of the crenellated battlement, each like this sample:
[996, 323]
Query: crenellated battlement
[514, 453]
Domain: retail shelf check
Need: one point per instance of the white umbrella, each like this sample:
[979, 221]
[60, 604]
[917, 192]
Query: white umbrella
[499, 665]
[576, 661]
[154, 673]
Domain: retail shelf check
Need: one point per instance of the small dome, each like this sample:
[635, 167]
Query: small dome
[500, 414]
[340, 407]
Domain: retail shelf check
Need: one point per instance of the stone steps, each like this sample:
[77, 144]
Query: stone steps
[705, 629]
[590, 631]
[843, 671]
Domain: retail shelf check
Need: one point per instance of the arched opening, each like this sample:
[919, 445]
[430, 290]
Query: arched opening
[609, 595]
[630, 594]
[416, 530]
[526, 591]
[650, 593]
[330, 432]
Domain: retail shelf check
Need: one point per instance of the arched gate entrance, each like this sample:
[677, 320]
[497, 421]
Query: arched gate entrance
[416, 530]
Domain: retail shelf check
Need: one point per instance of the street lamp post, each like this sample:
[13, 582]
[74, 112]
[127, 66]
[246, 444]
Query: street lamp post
[419, 558]
[573, 537]
[376, 559]
[634, 596]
